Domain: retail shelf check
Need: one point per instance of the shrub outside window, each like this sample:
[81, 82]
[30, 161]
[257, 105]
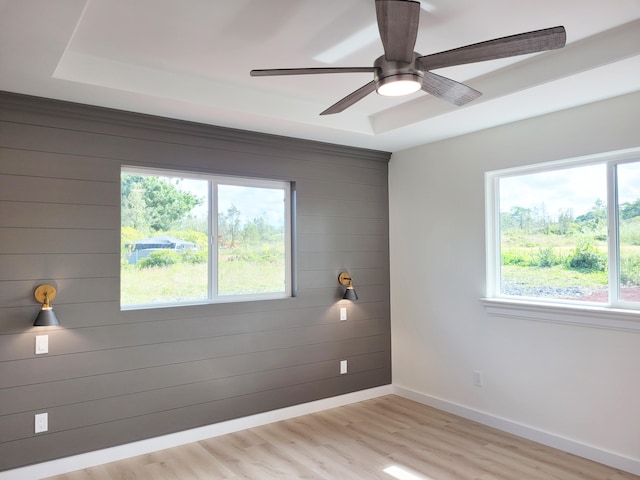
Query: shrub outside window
[566, 232]
[189, 238]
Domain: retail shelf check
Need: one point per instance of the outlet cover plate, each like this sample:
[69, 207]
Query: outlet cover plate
[343, 367]
[41, 422]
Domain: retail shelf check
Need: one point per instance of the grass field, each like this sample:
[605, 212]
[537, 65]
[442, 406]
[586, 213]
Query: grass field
[555, 266]
[557, 276]
[185, 282]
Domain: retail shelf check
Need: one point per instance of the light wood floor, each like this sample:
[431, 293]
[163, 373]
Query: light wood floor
[359, 441]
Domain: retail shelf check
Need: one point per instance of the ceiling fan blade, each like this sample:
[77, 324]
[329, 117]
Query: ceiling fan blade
[398, 26]
[309, 71]
[350, 99]
[447, 89]
[530, 42]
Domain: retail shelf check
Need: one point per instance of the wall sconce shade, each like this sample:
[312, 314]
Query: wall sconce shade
[46, 317]
[350, 293]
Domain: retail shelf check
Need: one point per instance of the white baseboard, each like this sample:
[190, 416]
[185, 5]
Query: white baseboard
[120, 452]
[571, 446]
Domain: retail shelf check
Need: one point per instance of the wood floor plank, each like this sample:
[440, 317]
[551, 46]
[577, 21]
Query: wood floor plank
[307, 454]
[434, 465]
[358, 442]
[193, 459]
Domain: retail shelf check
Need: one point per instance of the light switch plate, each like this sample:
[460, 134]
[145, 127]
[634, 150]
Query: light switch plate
[42, 344]
[343, 313]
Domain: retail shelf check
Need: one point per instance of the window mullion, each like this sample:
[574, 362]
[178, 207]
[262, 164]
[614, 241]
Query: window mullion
[213, 240]
[613, 234]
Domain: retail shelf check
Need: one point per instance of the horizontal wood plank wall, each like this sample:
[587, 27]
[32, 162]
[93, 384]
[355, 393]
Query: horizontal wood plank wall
[113, 376]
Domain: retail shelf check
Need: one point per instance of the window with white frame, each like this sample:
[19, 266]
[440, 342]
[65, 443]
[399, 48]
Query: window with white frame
[191, 238]
[566, 233]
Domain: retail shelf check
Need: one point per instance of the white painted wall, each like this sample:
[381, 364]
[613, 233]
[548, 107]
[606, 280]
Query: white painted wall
[577, 383]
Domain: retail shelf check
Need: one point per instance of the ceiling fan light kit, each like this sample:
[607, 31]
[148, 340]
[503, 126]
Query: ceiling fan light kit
[398, 85]
[401, 71]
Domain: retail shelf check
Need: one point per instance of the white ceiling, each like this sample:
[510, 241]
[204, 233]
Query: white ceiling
[190, 59]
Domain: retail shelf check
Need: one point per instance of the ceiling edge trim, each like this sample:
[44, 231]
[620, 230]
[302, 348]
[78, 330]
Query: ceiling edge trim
[118, 122]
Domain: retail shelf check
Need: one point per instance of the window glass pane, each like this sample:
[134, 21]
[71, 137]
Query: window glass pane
[628, 175]
[164, 239]
[251, 240]
[553, 234]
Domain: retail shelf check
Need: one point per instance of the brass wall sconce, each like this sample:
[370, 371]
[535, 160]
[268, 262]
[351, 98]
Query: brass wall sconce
[46, 317]
[345, 279]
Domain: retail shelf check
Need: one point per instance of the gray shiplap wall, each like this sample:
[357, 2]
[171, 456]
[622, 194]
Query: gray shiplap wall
[112, 376]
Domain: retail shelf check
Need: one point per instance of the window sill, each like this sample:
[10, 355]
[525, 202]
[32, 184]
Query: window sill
[225, 299]
[586, 316]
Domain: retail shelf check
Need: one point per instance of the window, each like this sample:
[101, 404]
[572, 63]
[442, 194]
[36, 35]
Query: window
[189, 238]
[566, 233]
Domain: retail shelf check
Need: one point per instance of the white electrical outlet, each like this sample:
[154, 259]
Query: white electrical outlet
[42, 422]
[343, 367]
[343, 313]
[477, 378]
[42, 344]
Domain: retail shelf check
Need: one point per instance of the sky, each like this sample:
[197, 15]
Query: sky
[251, 201]
[577, 188]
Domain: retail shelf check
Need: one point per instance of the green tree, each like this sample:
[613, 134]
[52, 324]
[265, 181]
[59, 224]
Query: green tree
[630, 210]
[541, 219]
[250, 233]
[565, 221]
[259, 230]
[594, 219]
[507, 221]
[133, 209]
[521, 217]
[229, 225]
[153, 204]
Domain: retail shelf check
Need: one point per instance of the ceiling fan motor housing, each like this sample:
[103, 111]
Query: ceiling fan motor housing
[387, 72]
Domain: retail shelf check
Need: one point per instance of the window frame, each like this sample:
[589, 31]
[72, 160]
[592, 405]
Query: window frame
[615, 314]
[214, 180]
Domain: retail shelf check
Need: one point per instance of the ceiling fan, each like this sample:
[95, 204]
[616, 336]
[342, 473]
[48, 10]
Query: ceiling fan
[401, 71]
